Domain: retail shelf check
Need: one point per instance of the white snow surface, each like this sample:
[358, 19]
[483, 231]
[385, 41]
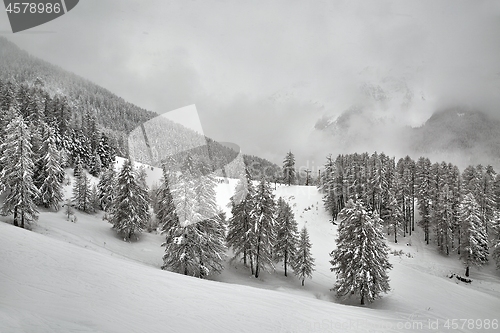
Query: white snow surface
[81, 277]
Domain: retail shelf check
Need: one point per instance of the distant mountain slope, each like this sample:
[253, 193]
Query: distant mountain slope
[112, 112]
[114, 115]
[472, 136]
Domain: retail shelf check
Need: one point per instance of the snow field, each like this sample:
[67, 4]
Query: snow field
[81, 277]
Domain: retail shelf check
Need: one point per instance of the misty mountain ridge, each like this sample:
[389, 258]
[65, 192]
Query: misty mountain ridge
[458, 135]
[466, 136]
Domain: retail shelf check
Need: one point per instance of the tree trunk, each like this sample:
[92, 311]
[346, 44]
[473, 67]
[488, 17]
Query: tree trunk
[362, 299]
[285, 260]
[251, 263]
[15, 217]
[303, 281]
[257, 259]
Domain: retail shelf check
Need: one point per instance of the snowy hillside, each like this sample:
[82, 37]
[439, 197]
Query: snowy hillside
[81, 277]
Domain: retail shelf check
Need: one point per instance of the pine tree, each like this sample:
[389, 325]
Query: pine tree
[263, 214]
[241, 226]
[166, 215]
[78, 167]
[195, 242]
[474, 242]
[183, 193]
[51, 173]
[128, 214]
[289, 169]
[106, 151]
[495, 226]
[82, 191]
[240, 234]
[181, 253]
[39, 149]
[328, 187]
[303, 262]
[286, 234]
[106, 187]
[423, 194]
[360, 260]
[9, 111]
[94, 199]
[212, 246]
[143, 195]
[393, 217]
[95, 165]
[16, 176]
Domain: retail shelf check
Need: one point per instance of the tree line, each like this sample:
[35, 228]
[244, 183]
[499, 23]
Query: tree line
[459, 211]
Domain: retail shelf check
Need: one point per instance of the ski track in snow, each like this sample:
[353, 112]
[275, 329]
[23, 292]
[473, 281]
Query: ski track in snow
[82, 277]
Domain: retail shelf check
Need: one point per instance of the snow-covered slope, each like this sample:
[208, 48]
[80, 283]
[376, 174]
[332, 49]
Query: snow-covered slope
[81, 277]
[49, 285]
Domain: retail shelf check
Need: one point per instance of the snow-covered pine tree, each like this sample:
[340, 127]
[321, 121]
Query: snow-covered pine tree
[183, 193]
[241, 225]
[10, 110]
[106, 151]
[454, 198]
[286, 234]
[487, 200]
[38, 134]
[289, 169]
[78, 167]
[51, 172]
[195, 244]
[106, 188]
[166, 216]
[303, 262]
[16, 176]
[393, 216]
[474, 241]
[443, 215]
[95, 165]
[328, 188]
[495, 227]
[94, 199]
[143, 194]
[81, 191]
[360, 260]
[496, 190]
[265, 237]
[423, 194]
[437, 181]
[181, 253]
[128, 215]
[212, 246]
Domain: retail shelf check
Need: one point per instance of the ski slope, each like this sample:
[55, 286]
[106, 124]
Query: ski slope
[81, 277]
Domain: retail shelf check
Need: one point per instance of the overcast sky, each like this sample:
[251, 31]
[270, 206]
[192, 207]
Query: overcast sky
[261, 73]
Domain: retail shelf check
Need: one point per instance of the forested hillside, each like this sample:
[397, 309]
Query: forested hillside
[82, 113]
